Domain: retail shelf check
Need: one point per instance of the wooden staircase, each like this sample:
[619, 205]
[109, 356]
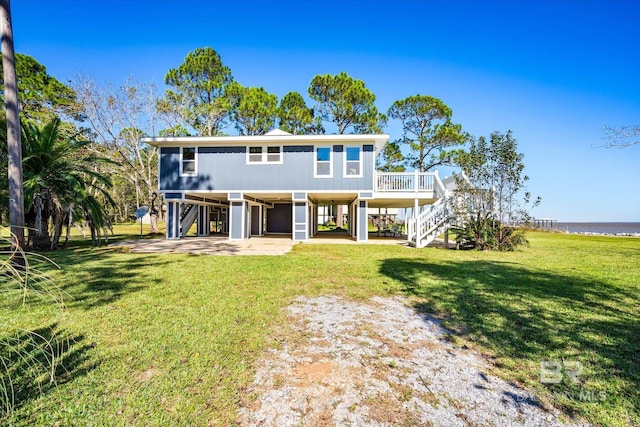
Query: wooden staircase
[429, 224]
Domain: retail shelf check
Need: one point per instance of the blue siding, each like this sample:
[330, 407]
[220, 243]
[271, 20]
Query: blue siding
[226, 169]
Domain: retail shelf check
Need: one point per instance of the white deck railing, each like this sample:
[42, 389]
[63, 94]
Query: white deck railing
[424, 228]
[407, 181]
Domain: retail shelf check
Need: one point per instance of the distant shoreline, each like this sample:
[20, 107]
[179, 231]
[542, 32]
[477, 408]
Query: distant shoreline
[616, 229]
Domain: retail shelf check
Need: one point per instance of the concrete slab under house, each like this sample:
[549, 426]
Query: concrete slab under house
[244, 187]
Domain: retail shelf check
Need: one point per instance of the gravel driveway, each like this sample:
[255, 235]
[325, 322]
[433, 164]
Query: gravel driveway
[379, 363]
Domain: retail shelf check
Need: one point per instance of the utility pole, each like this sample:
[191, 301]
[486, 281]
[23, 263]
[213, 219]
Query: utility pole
[14, 145]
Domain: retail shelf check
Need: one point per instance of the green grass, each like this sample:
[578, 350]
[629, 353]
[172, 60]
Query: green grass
[171, 339]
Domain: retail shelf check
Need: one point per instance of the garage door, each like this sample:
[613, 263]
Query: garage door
[279, 218]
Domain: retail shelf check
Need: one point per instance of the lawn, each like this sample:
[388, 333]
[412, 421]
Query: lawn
[171, 339]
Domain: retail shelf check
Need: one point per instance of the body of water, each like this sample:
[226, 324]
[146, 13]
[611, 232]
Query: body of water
[615, 228]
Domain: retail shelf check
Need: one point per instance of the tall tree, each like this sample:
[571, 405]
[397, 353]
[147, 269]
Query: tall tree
[254, 111]
[14, 148]
[118, 118]
[428, 131]
[41, 96]
[491, 195]
[197, 91]
[296, 118]
[391, 158]
[61, 179]
[346, 102]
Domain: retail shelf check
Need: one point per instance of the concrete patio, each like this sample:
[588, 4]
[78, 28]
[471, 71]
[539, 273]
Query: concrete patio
[221, 245]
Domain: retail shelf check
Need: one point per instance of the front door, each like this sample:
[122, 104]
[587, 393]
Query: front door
[256, 220]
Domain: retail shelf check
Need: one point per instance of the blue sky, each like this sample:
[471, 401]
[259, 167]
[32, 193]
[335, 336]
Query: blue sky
[554, 72]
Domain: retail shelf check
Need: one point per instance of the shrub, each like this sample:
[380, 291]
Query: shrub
[487, 233]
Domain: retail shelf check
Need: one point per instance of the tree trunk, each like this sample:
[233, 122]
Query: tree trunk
[41, 240]
[339, 221]
[14, 146]
[58, 221]
[153, 213]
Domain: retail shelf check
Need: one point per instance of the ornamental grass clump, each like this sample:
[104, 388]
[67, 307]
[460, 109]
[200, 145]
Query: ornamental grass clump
[28, 358]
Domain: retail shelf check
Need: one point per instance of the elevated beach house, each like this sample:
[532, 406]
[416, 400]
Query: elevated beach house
[247, 186]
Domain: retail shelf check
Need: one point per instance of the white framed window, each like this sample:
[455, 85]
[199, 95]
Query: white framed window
[255, 155]
[188, 161]
[274, 155]
[323, 167]
[353, 162]
[260, 155]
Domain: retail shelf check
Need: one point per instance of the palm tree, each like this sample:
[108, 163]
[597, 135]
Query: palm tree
[61, 182]
[16, 212]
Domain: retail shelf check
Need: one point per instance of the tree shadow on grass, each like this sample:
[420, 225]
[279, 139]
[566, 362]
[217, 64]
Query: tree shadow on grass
[100, 277]
[36, 361]
[530, 314]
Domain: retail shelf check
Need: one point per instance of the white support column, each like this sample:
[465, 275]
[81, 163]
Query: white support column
[353, 231]
[353, 215]
[406, 224]
[416, 212]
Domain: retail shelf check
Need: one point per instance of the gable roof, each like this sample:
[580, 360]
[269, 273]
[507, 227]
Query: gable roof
[279, 132]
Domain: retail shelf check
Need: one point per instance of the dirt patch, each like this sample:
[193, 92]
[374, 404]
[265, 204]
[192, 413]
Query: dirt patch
[379, 363]
[147, 374]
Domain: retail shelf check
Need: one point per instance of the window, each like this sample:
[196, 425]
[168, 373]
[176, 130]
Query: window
[255, 154]
[323, 165]
[352, 162]
[188, 161]
[273, 154]
[258, 155]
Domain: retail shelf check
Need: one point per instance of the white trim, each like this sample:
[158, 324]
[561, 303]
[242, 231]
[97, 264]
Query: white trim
[245, 221]
[264, 155]
[159, 170]
[249, 192]
[315, 162]
[195, 161]
[230, 220]
[229, 198]
[267, 139]
[293, 221]
[345, 161]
